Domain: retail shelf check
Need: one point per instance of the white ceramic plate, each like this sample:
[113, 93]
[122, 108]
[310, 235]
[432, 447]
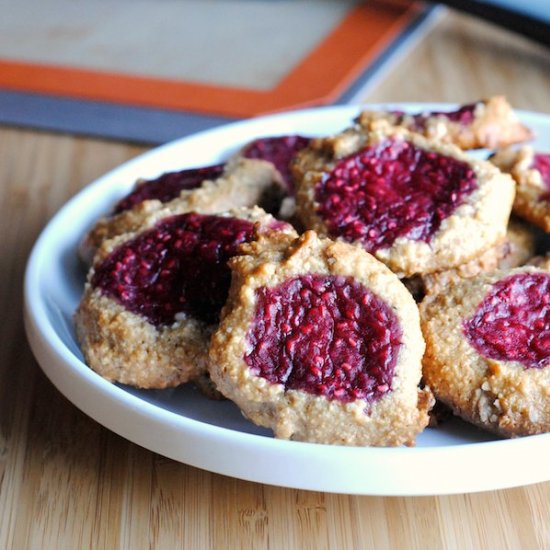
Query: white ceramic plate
[185, 426]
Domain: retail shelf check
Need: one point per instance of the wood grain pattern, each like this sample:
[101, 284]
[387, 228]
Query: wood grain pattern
[65, 482]
[463, 59]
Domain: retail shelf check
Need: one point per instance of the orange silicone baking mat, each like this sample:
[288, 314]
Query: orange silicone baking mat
[131, 53]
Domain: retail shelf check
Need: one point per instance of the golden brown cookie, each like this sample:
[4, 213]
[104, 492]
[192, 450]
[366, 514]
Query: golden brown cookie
[321, 342]
[488, 350]
[218, 188]
[153, 297]
[515, 250]
[489, 123]
[417, 205]
[531, 171]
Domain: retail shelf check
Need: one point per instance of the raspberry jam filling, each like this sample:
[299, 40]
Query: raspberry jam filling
[324, 335]
[541, 162]
[179, 266]
[463, 116]
[169, 186]
[390, 190]
[279, 151]
[512, 323]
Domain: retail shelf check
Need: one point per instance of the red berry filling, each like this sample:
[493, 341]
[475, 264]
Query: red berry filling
[179, 266]
[324, 335]
[541, 162]
[169, 186]
[390, 190]
[463, 116]
[512, 323]
[279, 151]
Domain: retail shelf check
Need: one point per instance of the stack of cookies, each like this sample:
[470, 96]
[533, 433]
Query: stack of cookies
[335, 287]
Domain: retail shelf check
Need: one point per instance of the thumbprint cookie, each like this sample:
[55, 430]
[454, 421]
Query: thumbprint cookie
[320, 342]
[153, 297]
[489, 123]
[211, 189]
[417, 205]
[488, 350]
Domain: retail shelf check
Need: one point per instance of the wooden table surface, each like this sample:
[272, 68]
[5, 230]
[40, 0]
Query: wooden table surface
[66, 482]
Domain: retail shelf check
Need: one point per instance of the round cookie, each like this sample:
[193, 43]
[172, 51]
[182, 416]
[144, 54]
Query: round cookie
[489, 123]
[321, 342]
[239, 183]
[488, 350]
[417, 205]
[153, 297]
[531, 171]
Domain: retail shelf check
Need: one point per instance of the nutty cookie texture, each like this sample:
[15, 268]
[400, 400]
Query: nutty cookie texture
[490, 123]
[218, 188]
[488, 350]
[153, 297]
[515, 250]
[417, 205]
[531, 172]
[321, 342]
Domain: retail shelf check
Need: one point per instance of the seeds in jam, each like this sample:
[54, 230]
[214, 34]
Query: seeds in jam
[179, 266]
[512, 323]
[279, 151]
[169, 186]
[325, 335]
[389, 190]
